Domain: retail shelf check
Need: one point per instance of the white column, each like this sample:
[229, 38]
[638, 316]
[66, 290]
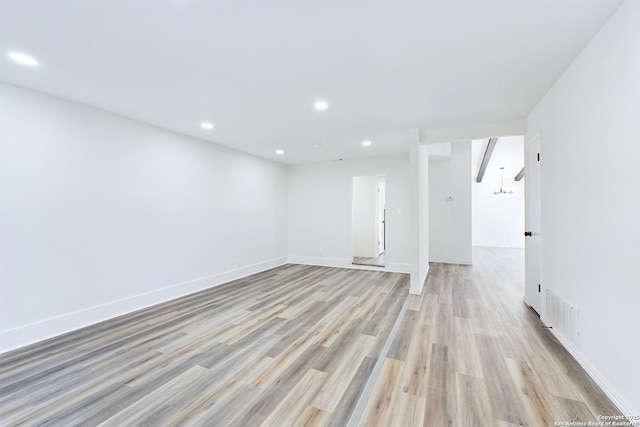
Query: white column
[419, 216]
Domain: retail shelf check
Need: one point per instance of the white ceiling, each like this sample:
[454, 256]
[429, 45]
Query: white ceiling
[255, 68]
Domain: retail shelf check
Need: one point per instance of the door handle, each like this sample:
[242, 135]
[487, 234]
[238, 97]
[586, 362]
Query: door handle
[527, 233]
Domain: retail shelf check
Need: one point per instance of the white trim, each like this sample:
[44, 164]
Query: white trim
[623, 406]
[321, 261]
[48, 328]
[390, 267]
[450, 261]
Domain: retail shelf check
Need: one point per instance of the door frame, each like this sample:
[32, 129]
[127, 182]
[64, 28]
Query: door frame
[381, 187]
[351, 177]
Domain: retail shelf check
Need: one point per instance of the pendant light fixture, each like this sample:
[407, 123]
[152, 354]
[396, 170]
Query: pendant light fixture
[502, 190]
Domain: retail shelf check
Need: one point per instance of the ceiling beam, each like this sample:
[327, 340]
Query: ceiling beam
[485, 160]
[520, 175]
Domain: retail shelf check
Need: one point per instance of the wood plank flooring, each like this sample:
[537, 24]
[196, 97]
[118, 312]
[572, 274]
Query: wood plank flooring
[291, 346]
[471, 353]
[302, 346]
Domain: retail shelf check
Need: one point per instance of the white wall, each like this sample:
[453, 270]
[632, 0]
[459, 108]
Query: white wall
[320, 211]
[590, 198]
[498, 220]
[101, 215]
[365, 236]
[450, 220]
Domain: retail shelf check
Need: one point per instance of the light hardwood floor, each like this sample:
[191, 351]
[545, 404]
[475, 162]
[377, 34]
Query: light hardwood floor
[471, 353]
[290, 346]
[301, 346]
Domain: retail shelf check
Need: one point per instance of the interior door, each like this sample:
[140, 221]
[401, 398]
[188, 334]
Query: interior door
[533, 236]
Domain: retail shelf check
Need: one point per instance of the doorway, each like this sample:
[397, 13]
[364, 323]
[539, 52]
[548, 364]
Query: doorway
[498, 192]
[369, 226]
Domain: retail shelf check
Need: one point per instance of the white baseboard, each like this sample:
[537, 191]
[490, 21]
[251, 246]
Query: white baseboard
[28, 334]
[624, 406]
[451, 261]
[391, 267]
[320, 261]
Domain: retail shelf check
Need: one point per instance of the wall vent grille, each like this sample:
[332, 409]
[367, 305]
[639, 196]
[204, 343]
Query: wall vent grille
[563, 317]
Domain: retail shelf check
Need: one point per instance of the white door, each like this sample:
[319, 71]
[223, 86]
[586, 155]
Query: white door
[533, 262]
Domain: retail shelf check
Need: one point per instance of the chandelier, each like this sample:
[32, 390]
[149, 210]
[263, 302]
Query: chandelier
[502, 189]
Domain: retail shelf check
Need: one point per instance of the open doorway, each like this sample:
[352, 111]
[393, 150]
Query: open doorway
[498, 192]
[498, 209]
[369, 226]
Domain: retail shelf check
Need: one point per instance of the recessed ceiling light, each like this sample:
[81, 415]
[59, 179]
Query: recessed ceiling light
[23, 58]
[280, 152]
[366, 143]
[321, 105]
[206, 125]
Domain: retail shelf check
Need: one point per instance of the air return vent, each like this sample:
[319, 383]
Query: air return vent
[563, 317]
